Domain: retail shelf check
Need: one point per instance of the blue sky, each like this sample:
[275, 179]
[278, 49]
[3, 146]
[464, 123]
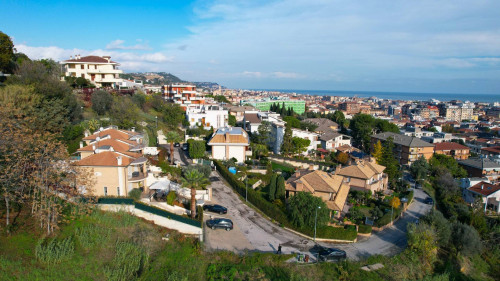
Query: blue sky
[384, 45]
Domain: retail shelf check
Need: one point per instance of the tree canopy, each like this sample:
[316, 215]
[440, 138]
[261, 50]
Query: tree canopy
[302, 210]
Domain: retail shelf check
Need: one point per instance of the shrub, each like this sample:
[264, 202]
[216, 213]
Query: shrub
[127, 263]
[365, 229]
[330, 232]
[171, 196]
[92, 235]
[54, 251]
[199, 213]
[135, 194]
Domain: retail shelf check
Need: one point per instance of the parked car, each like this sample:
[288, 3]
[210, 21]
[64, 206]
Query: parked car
[184, 146]
[226, 224]
[331, 254]
[215, 209]
[177, 144]
[429, 201]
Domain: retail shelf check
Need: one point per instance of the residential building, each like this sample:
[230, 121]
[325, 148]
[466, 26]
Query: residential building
[251, 121]
[324, 125]
[457, 112]
[364, 175]
[109, 144]
[416, 132]
[492, 151]
[331, 189]
[440, 137]
[406, 149]
[207, 116]
[453, 149]
[230, 142]
[183, 94]
[101, 71]
[489, 194]
[350, 107]
[131, 137]
[482, 167]
[332, 140]
[238, 111]
[115, 173]
[308, 135]
[298, 106]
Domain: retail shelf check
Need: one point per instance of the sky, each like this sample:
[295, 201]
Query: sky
[383, 45]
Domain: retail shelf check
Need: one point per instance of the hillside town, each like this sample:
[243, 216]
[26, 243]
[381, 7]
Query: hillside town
[153, 170]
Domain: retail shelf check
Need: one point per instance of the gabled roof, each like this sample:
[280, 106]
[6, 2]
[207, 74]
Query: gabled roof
[91, 59]
[113, 133]
[107, 158]
[484, 188]
[324, 124]
[362, 170]
[329, 136]
[226, 135]
[494, 149]
[450, 146]
[480, 163]
[403, 140]
[253, 118]
[117, 145]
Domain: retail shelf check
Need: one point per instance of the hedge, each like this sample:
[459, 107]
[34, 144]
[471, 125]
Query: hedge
[386, 218]
[363, 228]
[277, 214]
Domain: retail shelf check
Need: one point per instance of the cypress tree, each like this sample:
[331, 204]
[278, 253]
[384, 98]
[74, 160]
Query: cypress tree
[272, 187]
[280, 188]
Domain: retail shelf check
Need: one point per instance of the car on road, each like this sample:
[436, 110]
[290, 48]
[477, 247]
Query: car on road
[331, 254]
[184, 146]
[226, 224]
[429, 201]
[215, 209]
[177, 144]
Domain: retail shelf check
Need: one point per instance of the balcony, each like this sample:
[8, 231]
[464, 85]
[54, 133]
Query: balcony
[136, 176]
[105, 71]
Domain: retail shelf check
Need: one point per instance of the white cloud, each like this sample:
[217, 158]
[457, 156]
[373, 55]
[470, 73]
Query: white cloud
[118, 45]
[289, 75]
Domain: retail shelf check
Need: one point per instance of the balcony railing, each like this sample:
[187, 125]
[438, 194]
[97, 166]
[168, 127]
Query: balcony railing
[136, 176]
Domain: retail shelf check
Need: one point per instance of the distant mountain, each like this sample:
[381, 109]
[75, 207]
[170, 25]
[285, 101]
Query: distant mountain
[162, 78]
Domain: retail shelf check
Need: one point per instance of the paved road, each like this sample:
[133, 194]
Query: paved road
[253, 232]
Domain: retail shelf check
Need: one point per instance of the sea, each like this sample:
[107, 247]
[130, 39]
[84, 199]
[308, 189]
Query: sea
[487, 98]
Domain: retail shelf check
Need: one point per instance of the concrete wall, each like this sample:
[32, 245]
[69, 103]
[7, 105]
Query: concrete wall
[159, 220]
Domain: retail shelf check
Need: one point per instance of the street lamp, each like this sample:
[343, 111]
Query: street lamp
[246, 188]
[315, 220]
[156, 117]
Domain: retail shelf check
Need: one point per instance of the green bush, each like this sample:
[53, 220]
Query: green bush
[171, 196]
[199, 213]
[330, 232]
[386, 218]
[129, 260]
[135, 194]
[54, 251]
[365, 229]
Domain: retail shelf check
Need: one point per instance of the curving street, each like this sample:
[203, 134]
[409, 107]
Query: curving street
[253, 232]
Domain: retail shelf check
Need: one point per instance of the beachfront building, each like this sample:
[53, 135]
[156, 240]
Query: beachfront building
[298, 106]
[101, 71]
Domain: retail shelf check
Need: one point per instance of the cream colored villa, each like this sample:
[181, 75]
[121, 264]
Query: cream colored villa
[229, 143]
[101, 71]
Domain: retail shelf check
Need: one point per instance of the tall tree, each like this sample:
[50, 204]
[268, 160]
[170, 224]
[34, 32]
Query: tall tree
[172, 137]
[6, 53]
[272, 187]
[280, 188]
[420, 169]
[264, 134]
[299, 145]
[194, 179]
[101, 102]
[302, 208]
[286, 146]
[389, 161]
[196, 149]
[377, 151]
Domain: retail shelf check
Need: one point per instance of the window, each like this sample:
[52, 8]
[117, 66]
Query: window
[82, 66]
[105, 191]
[103, 76]
[118, 191]
[83, 75]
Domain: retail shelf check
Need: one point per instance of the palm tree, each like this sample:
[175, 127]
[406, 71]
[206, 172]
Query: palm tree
[171, 137]
[195, 180]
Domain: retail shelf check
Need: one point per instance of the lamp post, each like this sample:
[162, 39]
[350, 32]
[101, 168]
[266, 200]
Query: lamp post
[315, 220]
[246, 188]
[156, 117]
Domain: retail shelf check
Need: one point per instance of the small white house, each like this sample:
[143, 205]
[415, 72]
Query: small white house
[229, 142]
[207, 116]
[312, 136]
[332, 140]
[489, 194]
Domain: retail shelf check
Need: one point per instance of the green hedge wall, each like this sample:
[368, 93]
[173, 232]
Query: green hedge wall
[364, 228]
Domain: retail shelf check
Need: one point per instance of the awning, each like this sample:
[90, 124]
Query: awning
[162, 185]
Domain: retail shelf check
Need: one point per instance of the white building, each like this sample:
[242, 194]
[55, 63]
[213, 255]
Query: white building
[207, 116]
[331, 140]
[230, 142]
[311, 136]
[101, 71]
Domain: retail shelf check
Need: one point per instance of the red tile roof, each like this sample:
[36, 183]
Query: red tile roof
[449, 146]
[484, 188]
[94, 59]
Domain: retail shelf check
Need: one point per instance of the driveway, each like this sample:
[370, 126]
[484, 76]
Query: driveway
[257, 233]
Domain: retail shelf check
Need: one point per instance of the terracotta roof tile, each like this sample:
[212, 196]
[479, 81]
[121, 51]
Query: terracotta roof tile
[105, 159]
[94, 59]
[484, 188]
[117, 145]
[113, 133]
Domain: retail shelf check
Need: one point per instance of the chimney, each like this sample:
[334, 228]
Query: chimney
[86, 133]
[81, 144]
[98, 138]
[119, 160]
[93, 147]
[70, 57]
[101, 129]
[133, 129]
[482, 186]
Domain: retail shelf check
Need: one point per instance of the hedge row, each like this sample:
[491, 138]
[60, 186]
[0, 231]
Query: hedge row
[275, 213]
[365, 229]
[254, 197]
[321, 163]
[386, 219]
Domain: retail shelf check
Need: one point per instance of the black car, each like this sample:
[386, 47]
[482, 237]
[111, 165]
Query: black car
[177, 144]
[331, 254]
[429, 201]
[226, 224]
[215, 209]
[184, 146]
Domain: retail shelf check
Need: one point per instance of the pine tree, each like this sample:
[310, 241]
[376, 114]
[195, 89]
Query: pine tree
[286, 146]
[272, 187]
[377, 151]
[389, 161]
[280, 188]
